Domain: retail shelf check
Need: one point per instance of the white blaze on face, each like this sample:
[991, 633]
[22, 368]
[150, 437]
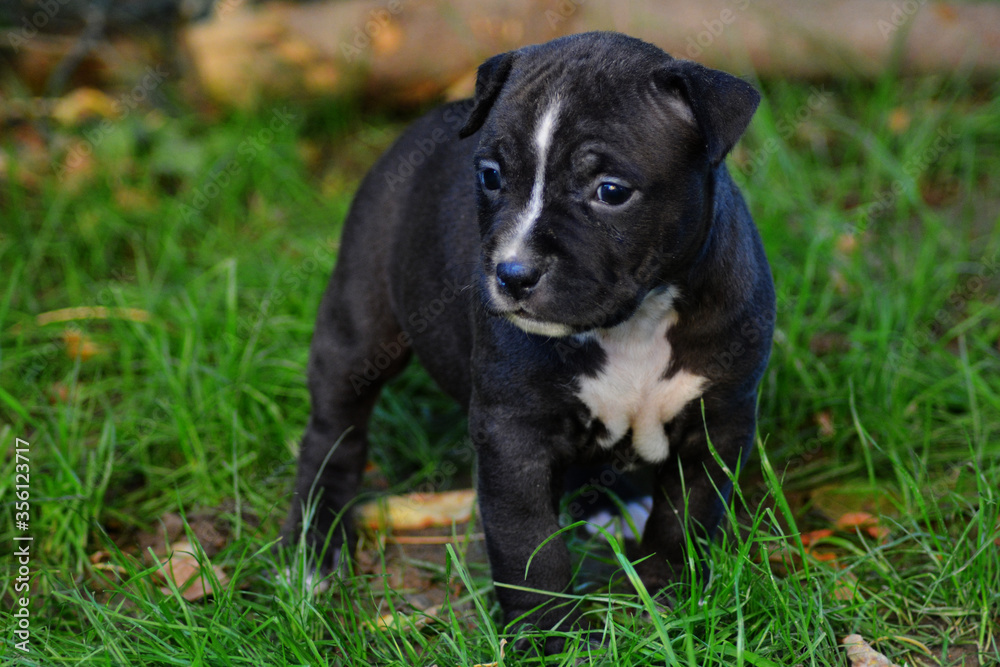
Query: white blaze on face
[543, 140]
[630, 392]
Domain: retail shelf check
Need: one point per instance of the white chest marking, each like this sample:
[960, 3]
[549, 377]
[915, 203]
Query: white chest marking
[630, 392]
[526, 220]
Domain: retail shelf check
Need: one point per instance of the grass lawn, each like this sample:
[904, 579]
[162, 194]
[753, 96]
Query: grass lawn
[879, 205]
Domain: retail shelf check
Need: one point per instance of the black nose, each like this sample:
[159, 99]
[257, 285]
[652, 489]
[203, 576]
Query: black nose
[517, 279]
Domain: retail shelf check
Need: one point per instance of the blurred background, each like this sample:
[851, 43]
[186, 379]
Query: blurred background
[173, 179]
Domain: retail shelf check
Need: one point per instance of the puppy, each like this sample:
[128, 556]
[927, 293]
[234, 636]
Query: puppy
[569, 258]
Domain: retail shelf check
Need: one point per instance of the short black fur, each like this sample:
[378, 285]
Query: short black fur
[418, 273]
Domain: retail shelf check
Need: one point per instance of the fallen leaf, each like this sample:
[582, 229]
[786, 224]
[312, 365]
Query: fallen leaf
[60, 392]
[783, 554]
[81, 105]
[79, 344]
[899, 120]
[836, 500]
[134, 200]
[503, 642]
[418, 510]
[824, 419]
[322, 77]
[101, 561]
[852, 521]
[946, 13]
[877, 532]
[823, 556]
[861, 654]
[183, 568]
[847, 243]
[814, 535]
[844, 590]
[389, 620]
[821, 344]
[297, 51]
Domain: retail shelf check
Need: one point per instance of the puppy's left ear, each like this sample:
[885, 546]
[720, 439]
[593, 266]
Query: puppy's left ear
[721, 103]
[490, 78]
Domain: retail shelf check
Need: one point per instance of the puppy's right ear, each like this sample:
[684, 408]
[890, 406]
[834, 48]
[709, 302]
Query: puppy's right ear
[722, 104]
[490, 79]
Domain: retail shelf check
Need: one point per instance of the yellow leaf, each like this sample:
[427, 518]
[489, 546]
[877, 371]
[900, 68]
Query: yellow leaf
[899, 120]
[79, 344]
[418, 510]
[83, 104]
[861, 654]
[503, 642]
[183, 568]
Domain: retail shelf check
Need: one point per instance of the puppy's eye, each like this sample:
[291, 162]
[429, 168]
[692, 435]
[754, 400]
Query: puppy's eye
[489, 178]
[613, 194]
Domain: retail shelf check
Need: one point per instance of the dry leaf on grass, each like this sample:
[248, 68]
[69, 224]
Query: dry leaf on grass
[83, 104]
[101, 560]
[418, 621]
[846, 586]
[182, 567]
[79, 344]
[899, 120]
[835, 500]
[822, 344]
[418, 510]
[861, 654]
[60, 392]
[850, 521]
[815, 535]
[503, 642]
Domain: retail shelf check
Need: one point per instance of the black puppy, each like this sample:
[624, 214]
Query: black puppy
[569, 258]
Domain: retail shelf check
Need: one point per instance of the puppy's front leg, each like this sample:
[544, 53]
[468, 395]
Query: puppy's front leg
[692, 490]
[518, 487]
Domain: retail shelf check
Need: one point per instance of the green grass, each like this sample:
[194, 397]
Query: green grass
[883, 392]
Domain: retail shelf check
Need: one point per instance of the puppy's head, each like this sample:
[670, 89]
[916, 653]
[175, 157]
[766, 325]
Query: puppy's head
[594, 167]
